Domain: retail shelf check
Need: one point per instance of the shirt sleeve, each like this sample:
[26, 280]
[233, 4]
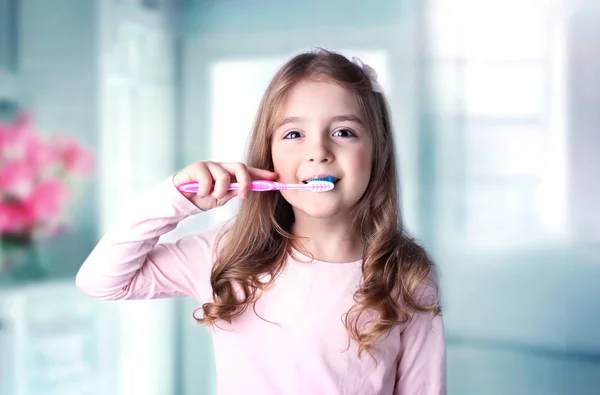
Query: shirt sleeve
[422, 364]
[128, 262]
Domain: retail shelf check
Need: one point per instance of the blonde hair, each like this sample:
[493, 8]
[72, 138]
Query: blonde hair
[394, 269]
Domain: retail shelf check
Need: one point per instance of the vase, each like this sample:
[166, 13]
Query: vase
[19, 257]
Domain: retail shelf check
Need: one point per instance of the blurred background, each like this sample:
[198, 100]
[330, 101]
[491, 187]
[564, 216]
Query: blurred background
[496, 108]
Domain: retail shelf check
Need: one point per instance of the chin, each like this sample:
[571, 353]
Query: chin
[318, 211]
[316, 205]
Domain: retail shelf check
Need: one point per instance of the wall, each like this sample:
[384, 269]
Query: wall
[57, 81]
[584, 120]
[213, 16]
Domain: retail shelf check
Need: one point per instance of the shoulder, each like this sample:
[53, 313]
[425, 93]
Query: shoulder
[428, 291]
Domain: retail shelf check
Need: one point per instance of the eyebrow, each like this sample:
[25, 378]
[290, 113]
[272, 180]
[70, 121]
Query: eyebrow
[337, 118]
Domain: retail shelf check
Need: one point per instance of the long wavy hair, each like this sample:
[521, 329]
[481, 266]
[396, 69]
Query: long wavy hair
[395, 269]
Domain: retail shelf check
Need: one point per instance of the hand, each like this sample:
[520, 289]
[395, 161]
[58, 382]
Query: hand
[207, 174]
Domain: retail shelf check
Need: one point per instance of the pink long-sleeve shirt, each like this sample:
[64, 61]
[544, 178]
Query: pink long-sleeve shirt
[303, 350]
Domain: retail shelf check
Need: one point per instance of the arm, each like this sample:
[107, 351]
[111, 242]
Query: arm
[127, 263]
[422, 365]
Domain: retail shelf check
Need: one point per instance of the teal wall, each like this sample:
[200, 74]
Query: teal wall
[57, 81]
[214, 16]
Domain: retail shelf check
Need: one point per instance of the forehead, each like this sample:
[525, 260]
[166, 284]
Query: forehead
[316, 99]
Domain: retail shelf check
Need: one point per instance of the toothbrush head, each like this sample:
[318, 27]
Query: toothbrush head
[319, 185]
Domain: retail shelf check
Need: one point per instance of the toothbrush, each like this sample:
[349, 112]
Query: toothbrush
[314, 185]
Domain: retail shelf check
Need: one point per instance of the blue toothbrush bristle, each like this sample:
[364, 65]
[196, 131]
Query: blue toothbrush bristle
[328, 178]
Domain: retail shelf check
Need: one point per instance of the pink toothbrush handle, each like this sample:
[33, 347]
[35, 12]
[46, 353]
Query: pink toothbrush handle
[258, 185]
[267, 185]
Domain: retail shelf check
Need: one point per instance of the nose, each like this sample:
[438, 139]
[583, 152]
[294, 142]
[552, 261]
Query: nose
[319, 152]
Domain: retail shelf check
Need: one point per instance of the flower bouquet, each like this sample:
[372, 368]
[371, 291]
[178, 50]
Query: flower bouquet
[38, 180]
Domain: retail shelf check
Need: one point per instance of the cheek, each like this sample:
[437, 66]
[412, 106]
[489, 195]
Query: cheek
[278, 161]
[276, 156]
[363, 159]
[281, 161]
[364, 166]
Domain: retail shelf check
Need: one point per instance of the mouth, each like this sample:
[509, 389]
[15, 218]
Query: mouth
[321, 177]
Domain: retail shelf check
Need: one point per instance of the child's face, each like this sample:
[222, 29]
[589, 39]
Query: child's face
[322, 132]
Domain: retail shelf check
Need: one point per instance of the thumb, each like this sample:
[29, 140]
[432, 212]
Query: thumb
[228, 196]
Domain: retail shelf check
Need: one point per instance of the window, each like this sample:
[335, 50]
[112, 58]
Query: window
[495, 69]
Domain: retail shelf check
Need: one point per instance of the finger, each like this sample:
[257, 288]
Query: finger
[202, 176]
[255, 173]
[261, 174]
[221, 178]
[244, 180]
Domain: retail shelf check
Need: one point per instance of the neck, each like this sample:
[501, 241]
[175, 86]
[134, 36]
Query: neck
[329, 240]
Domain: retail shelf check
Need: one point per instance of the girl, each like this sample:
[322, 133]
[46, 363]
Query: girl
[305, 292]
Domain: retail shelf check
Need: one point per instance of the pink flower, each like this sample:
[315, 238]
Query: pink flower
[16, 179]
[33, 194]
[47, 201]
[23, 126]
[41, 154]
[77, 159]
[15, 138]
[13, 217]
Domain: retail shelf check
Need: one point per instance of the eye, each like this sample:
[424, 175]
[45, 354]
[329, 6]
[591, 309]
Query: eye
[292, 135]
[343, 133]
